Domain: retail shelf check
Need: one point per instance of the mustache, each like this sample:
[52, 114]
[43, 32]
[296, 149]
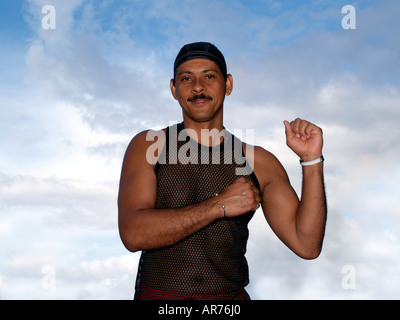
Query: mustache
[199, 97]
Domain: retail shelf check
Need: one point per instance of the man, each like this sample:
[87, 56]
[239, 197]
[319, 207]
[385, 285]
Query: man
[186, 197]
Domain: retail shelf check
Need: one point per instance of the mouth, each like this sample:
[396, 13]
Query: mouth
[198, 99]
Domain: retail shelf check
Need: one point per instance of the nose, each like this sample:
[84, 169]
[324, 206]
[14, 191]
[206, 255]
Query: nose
[198, 86]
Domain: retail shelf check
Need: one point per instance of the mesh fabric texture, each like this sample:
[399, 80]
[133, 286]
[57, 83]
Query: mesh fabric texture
[211, 261]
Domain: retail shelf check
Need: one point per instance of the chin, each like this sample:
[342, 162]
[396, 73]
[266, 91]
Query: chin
[201, 116]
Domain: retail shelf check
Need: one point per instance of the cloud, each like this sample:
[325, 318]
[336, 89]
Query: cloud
[70, 226]
[103, 75]
[76, 65]
[29, 277]
[75, 201]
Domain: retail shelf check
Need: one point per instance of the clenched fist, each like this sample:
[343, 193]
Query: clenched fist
[240, 197]
[304, 138]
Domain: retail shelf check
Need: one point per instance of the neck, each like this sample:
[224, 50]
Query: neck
[208, 133]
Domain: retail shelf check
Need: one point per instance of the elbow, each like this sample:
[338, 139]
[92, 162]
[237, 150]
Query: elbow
[131, 244]
[130, 234]
[132, 247]
[309, 248]
[309, 253]
[130, 240]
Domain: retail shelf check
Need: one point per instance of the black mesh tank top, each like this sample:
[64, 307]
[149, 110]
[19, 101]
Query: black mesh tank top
[211, 261]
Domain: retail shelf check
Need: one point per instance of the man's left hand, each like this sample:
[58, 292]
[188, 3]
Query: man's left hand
[304, 138]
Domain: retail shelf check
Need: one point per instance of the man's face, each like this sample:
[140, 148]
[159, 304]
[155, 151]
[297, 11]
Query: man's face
[200, 89]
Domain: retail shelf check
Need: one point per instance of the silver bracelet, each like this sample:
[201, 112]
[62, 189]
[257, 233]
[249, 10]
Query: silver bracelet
[310, 163]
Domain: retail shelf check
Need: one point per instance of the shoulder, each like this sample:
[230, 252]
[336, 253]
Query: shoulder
[147, 137]
[265, 164]
[259, 156]
[145, 147]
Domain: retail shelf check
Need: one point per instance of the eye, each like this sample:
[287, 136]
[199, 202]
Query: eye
[210, 76]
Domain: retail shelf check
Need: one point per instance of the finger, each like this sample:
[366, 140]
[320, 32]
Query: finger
[251, 187]
[304, 129]
[288, 129]
[239, 181]
[309, 129]
[256, 191]
[296, 127]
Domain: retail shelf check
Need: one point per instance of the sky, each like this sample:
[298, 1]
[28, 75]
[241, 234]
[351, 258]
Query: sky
[73, 96]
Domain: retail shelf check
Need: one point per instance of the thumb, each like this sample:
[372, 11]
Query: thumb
[288, 128]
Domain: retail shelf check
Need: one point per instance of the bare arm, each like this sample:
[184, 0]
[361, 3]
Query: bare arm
[300, 224]
[144, 228]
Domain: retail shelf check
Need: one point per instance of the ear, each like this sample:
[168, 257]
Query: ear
[173, 89]
[229, 84]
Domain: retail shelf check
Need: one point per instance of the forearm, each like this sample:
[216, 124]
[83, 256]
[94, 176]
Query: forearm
[311, 212]
[148, 229]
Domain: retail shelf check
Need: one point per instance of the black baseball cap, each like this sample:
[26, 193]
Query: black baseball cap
[200, 50]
